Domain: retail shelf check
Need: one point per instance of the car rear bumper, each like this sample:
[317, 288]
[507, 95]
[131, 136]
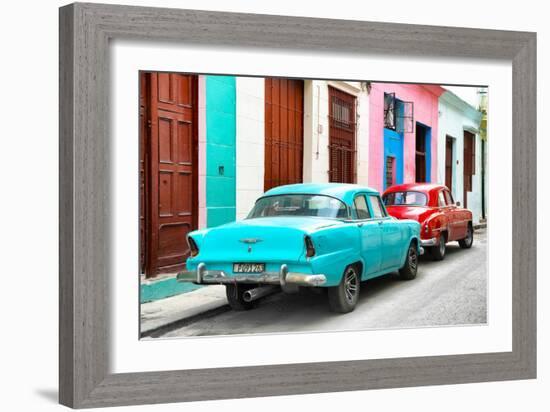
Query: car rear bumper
[202, 276]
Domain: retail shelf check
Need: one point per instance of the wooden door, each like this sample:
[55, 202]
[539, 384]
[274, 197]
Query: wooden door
[449, 162]
[469, 163]
[171, 189]
[284, 132]
[420, 155]
[342, 124]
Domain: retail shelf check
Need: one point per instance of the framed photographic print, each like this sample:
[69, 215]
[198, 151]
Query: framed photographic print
[258, 205]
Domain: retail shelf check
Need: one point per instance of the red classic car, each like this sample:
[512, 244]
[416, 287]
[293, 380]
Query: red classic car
[441, 219]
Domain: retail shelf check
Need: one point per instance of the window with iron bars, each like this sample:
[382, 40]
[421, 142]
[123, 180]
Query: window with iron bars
[398, 115]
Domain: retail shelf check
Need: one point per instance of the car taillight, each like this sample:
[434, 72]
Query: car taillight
[310, 249]
[192, 246]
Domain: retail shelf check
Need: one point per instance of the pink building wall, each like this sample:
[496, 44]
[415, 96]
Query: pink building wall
[425, 99]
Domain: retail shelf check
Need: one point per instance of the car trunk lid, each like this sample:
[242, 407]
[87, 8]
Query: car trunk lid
[269, 239]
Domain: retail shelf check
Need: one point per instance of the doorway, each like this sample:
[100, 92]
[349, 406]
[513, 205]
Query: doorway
[449, 142]
[168, 170]
[422, 153]
[341, 136]
[284, 132]
[469, 163]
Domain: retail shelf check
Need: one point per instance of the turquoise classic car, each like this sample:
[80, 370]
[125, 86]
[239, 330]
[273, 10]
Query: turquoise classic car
[328, 235]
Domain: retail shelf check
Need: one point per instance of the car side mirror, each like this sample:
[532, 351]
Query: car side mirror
[458, 204]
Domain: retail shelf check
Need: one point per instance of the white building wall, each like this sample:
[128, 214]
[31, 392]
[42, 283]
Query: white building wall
[250, 140]
[363, 137]
[474, 197]
[316, 129]
[452, 122]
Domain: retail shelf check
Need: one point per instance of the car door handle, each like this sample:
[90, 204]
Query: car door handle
[380, 222]
[359, 224]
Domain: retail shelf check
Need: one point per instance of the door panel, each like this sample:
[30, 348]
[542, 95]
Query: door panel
[392, 243]
[392, 240]
[371, 247]
[341, 136]
[172, 189]
[284, 137]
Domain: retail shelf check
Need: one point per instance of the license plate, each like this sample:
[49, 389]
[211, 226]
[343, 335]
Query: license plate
[248, 267]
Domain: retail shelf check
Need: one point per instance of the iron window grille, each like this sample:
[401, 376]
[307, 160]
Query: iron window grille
[398, 115]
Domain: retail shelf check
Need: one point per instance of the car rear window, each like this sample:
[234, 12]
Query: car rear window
[405, 198]
[299, 205]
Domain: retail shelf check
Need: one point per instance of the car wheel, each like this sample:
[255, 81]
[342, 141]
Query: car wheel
[438, 252]
[234, 295]
[409, 269]
[467, 242]
[343, 298]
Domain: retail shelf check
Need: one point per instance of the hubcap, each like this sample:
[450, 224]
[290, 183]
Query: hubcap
[350, 285]
[442, 246]
[413, 259]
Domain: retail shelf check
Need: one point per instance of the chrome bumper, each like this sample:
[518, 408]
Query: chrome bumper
[202, 276]
[429, 242]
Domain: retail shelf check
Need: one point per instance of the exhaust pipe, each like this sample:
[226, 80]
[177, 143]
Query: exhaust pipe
[259, 292]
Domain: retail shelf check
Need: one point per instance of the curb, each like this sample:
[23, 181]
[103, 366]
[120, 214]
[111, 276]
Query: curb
[163, 287]
[158, 331]
[175, 311]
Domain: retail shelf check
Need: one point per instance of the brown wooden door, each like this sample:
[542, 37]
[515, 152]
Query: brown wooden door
[284, 132]
[341, 136]
[469, 163]
[171, 189]
[449, 162]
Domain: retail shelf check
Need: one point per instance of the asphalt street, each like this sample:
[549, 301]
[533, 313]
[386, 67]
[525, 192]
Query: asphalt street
[448, 292]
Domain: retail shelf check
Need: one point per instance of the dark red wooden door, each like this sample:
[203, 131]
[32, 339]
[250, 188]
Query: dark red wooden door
[171, 193]
[469, 163]
[449, 162]
[284, 132]
[341, 136]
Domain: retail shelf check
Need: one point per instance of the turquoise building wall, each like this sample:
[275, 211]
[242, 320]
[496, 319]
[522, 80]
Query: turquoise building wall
[220, 150]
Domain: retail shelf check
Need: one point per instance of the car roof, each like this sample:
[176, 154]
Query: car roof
[420, 187]
[342, 191]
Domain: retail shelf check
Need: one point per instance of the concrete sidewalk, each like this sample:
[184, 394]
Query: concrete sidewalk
[163, 312]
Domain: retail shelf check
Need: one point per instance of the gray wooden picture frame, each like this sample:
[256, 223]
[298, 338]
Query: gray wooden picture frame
[85, 31]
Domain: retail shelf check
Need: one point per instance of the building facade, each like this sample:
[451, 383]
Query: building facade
[462, 164]
[403, 132]
[211, 145]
